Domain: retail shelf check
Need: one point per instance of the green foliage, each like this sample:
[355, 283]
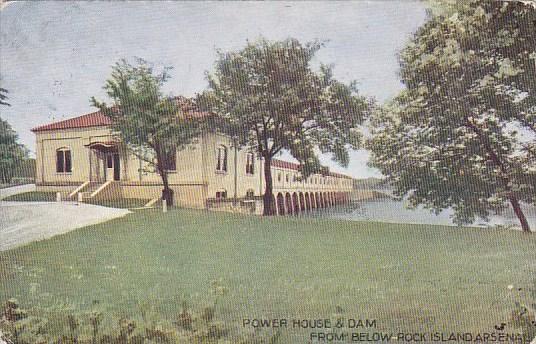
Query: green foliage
[12, 153]
[524, 316]
[3, 97]
[153, 126]
[127, 203]
[269, 98]
[463, 133]
[26, 169]
[85, 329]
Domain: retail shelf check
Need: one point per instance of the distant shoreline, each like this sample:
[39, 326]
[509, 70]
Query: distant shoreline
[369, 194]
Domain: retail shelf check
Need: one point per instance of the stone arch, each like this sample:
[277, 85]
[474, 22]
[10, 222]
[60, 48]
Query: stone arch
[318, 200]
[288, 203]
[307, 201]
[302, 202]
[280, 204]
[295, 204]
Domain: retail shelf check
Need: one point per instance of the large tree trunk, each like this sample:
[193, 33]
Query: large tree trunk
[167, 193]
[519, 213]
[504, 171]
[268, 199]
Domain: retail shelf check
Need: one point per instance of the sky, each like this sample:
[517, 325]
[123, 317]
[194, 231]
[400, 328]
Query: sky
[55, 55]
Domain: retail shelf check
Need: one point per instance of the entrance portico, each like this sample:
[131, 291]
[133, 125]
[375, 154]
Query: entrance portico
[104, 161]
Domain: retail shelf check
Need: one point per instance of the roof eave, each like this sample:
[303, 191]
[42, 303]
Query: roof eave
[39, 129]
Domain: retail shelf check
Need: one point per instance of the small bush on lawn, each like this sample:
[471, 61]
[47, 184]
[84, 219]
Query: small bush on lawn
[524, 316]
[188, 327]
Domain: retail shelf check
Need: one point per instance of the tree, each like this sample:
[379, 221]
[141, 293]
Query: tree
[153, 126]
[12, 153]
[269, 98]
[462, 134]
[3, 97]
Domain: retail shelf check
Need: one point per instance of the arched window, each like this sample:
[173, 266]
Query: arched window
[250, 163]
[250, 194]
[63, 160]
[221, 194]
[221, 156]
[287, 178]
[279, 177]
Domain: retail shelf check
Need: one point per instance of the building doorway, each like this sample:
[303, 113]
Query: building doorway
[113, 166]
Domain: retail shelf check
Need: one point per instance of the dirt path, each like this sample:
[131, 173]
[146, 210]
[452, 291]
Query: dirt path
[24, 222]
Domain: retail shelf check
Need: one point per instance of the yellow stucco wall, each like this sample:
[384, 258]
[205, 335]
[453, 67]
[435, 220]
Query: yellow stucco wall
[185, 195]
[194, 181]
[73, 139]
[225, 180]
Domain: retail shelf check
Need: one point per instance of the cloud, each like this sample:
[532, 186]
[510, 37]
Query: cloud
[56, 55]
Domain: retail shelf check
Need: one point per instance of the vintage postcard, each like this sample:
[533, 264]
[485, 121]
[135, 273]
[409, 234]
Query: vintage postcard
[268, 172]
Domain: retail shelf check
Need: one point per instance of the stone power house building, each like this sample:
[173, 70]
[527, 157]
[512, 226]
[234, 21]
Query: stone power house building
[83, 156]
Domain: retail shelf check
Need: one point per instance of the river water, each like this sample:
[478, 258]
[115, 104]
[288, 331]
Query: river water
[387, 210]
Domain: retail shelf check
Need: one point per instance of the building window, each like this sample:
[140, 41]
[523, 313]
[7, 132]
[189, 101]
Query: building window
[287, 178]
[250, 194]
[250, 163]
[221, 156]
[170, 162]
[279, 177]
[63, 161]
[109, 161]
[222, 194]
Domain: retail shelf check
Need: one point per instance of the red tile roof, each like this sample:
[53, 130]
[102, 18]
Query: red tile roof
[98, 119]
[285, 164]
[294, 166]
[94, 119]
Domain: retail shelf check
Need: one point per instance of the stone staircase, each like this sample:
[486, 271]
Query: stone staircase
[86, 194]
[87, 190]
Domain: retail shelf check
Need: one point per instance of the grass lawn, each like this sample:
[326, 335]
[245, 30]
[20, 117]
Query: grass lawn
[33, 196]
[44, 196]
[408, 277]
[127, 203]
